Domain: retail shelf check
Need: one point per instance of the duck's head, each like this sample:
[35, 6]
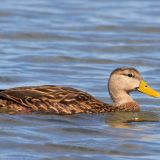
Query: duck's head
[122, 81]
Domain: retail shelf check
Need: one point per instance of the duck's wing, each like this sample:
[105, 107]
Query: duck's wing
[52, 99]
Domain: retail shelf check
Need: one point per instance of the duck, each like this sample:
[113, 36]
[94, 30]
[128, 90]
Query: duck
[63, 100]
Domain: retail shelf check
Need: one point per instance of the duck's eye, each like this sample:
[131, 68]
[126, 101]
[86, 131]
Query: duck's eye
[130, 75]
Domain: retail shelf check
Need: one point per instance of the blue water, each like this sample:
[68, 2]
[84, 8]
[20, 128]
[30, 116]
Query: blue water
[78, 43]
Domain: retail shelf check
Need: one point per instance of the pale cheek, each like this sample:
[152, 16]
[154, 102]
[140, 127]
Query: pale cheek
[135, 84]
[122, 84]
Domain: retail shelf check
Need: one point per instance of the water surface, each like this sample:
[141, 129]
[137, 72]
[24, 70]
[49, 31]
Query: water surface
[78, 43]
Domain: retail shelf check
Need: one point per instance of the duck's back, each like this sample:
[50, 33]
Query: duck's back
[49, 99]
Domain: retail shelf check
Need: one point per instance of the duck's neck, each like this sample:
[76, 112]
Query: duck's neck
[120, 97]
[122, 101]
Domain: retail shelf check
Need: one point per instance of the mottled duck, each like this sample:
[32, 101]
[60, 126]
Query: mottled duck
[65, 100]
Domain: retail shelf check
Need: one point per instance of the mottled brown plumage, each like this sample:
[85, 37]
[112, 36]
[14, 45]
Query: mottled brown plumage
[66, 100]
[49, 99]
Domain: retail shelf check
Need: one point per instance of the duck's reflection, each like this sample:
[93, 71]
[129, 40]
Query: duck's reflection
[129, 119]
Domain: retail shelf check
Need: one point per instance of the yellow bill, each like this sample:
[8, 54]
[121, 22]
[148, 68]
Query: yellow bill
[146, 89]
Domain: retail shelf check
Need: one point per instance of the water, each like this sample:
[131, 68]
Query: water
[78, 43]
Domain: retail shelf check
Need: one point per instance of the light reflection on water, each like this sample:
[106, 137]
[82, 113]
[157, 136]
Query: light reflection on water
[78, 43]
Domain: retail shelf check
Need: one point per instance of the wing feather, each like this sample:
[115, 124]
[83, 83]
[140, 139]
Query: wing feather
[51, 99]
